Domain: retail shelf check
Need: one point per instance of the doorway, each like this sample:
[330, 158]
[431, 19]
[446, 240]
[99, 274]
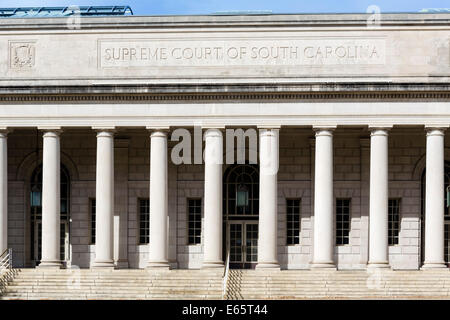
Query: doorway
[36, 216]
[241, 212]
[243, 244]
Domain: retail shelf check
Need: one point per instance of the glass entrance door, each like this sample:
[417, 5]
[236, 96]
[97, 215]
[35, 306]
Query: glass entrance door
[37, 242]
[36, 216]
[243, 244]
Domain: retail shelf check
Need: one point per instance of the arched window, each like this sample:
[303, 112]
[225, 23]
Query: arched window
[241, 191]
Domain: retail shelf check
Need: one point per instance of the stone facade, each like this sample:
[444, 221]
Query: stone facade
[360, 109]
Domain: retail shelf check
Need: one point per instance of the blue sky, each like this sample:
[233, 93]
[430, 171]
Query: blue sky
[162, 7]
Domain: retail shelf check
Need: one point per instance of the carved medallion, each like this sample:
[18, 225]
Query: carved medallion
[22, 55]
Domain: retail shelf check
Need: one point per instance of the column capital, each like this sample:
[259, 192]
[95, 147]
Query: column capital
[50, 129]
[51, 134]
[268, 132]
[4, 131]
[208, 127]
[324, 130]
[269, 127]
[435, 130]
[104, 128]
[379, 132]
[381, 126]
[158, 128]
[105, 134]
[158, 134]
[213, 132]
[324, 127]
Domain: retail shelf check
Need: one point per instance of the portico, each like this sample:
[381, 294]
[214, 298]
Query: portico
[267, 218]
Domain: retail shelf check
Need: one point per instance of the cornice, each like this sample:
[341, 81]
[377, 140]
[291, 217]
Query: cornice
[230, 20]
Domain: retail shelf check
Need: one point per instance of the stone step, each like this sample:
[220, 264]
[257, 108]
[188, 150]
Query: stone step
[146, 280]
[109, 297]
[104, 293]
[118, 276]
[345, 278]
[110, 289]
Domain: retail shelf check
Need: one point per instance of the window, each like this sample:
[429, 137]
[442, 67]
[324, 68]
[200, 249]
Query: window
[92, 214]
[144, 221]
[241, 191]
[194, 220]
[293, 221]
[342, 221]
[394, 221]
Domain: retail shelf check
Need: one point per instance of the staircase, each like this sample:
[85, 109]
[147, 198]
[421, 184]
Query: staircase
[114, 284]
[241, 284]
[321, 284]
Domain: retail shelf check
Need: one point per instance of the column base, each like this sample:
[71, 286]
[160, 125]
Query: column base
[433, 265]
[50, 265]
[323, 266]
[122, 264]
[378, 265]
[212, 265]
[268, 266]
[161, 265]
[103, 265]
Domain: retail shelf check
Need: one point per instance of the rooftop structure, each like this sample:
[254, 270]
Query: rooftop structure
[40, 12]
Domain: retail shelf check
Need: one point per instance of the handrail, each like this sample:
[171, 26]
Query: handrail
[6, 259]
[225, 274]
[7, 273]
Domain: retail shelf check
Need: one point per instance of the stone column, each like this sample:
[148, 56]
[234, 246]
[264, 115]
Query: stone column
[158, 256]
[51, 200]
[212, 257]
[434, 200]
[378, 199]
[268, 196]
[104, 224]
[3, 190]
[323, 256]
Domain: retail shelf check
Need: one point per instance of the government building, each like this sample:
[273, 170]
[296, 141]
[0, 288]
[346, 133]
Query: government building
[228, 141]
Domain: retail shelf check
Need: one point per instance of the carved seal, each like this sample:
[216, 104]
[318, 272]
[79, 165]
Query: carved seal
[22, 55]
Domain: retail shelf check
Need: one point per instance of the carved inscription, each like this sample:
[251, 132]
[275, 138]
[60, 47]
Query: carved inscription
[156, 53]
[22, 55]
